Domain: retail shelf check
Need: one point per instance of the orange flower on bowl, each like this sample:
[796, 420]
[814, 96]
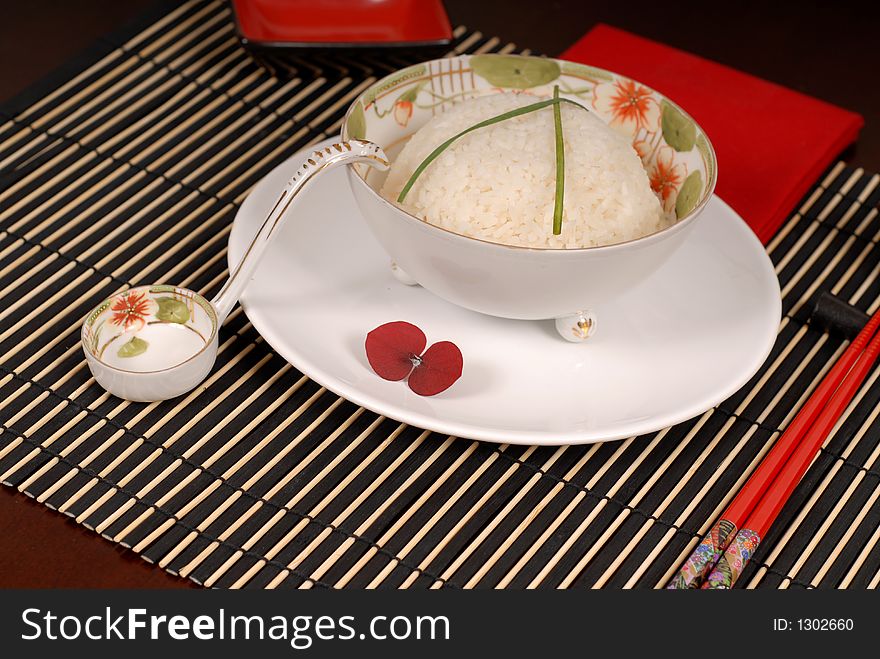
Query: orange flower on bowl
[405, 104]
[628, 104]
[403, 111]
[666, 177]
[131, 310]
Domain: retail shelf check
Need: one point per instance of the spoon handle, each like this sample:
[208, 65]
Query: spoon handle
[352, 151]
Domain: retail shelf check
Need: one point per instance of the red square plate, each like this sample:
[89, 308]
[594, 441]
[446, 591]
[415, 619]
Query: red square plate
[342, 23]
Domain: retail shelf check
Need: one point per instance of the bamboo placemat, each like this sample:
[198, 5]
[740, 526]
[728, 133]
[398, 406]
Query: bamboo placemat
[131, 172]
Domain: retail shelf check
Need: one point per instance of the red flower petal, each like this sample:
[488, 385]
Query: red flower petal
[391, 348]
[440, 368]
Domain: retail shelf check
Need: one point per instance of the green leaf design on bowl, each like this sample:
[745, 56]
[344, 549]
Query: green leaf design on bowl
[706, 153]
[515, 71]
[132, 348]
[357, 123]
[409, 73]
[172, 310]
[679, 132]
[411, 94]
[584, 71]
[689, 194]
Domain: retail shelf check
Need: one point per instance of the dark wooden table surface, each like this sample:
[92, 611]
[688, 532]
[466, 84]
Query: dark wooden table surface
[823, 49]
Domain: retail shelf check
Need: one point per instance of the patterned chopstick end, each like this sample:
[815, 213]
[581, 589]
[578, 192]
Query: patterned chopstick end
[704, 557]
[734, 561]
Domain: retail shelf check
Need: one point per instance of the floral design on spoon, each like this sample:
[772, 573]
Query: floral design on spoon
[131, 309]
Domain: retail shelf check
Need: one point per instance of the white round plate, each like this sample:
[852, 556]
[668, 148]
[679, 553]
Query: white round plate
[680, 343]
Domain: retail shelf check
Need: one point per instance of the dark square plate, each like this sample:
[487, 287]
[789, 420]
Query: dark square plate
[345, 24]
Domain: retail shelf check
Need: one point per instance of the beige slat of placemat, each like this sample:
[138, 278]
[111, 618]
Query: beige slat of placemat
[860, 562]
[362, 528]
[869, 464]
[100, 106]
[192, 421]
[275, 488]
[486, 530]
[326, 501]
[80, 97]
[281, 427]
[301, 493]
[192, 503]
[618, 453]
[548, 498]
[416, 506]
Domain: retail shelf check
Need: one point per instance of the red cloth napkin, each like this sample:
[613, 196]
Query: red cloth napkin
[772, 143]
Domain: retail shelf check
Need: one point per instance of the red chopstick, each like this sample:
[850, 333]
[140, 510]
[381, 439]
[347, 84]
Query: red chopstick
[701, 562]
[743, 546]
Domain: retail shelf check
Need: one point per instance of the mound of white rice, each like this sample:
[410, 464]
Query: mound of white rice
[498, 183]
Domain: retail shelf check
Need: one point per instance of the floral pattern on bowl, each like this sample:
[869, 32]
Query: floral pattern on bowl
[126, 314]
[674, 150]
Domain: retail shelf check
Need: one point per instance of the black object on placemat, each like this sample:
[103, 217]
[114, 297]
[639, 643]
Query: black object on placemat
[262, 477]
[831, 314]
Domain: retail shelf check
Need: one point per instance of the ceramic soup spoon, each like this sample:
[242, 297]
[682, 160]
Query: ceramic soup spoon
[156, 342]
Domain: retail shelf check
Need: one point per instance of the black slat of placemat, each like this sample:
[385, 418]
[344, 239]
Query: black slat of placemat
[264, 479]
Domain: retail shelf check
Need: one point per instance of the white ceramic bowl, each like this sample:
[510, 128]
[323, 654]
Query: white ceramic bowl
[519, 282]
[151, 342]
